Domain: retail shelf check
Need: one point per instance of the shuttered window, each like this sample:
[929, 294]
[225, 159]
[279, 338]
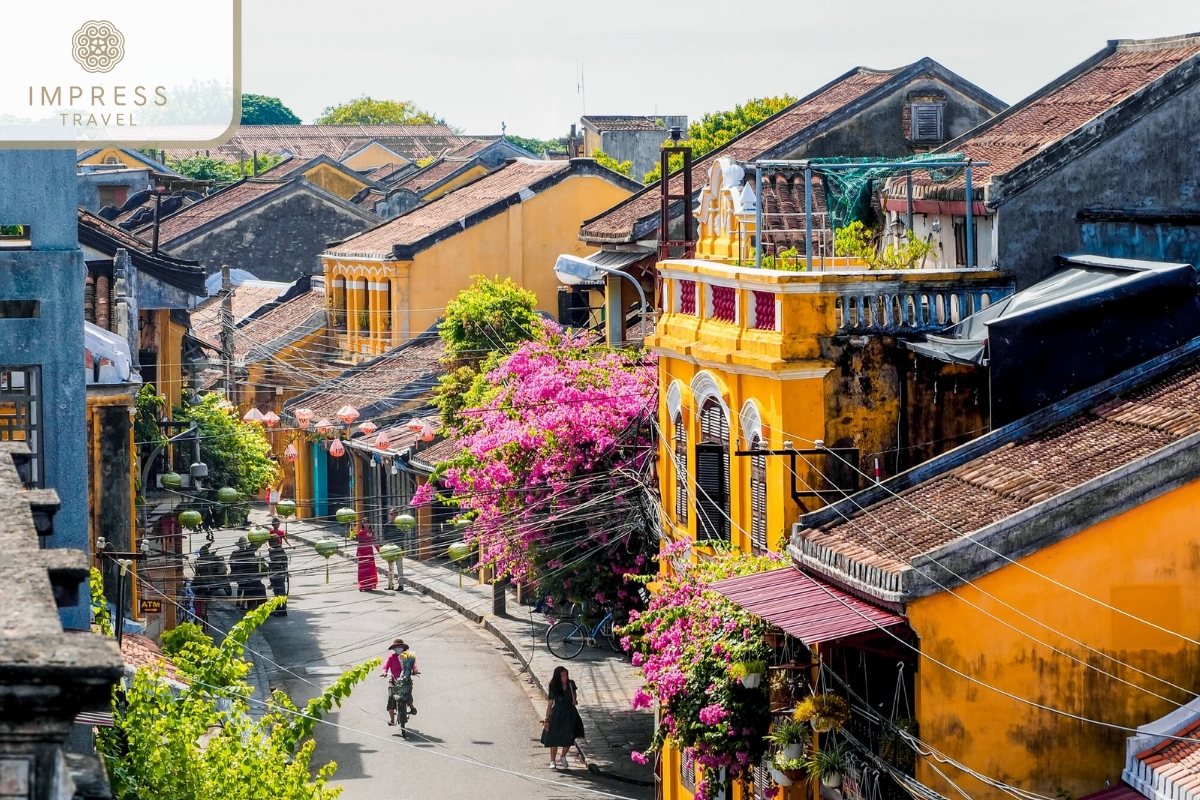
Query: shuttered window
[927, 122]
[687, 770]
[681, 472]
[758, 498]
[712, 474]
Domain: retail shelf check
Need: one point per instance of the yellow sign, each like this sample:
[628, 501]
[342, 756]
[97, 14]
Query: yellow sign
[150, 606]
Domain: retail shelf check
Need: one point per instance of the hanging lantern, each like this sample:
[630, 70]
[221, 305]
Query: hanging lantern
[286, 508]
[347, 414]
[426, 432]
[271, 418]
[368, 427]
[171, 480]
[391, 552]
[405, 522]
[258, 535]
[458, 551]
[415, 425]
[337, 449]
[290, 453]
[253, 415]
[227, 494]
[303, 417]
[382, 442]
[462, 522]
[190, 519]
[323, 426]
[346, 516]
[326, 548]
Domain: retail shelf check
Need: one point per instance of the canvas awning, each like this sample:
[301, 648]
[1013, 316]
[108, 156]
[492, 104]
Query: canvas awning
[810, 609]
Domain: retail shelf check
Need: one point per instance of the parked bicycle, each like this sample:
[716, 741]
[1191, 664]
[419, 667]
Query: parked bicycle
[567, 637]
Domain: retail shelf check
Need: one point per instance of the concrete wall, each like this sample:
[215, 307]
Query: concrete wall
[1152, 164]
[134, 181]
[278, 241]
[39, 188]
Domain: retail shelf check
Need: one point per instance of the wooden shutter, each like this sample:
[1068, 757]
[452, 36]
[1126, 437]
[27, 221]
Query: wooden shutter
[927, 122]
[681, 472]
[758, 499]
[687, 770]
[712, 474]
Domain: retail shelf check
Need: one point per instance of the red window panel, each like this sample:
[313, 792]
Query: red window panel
[764, 311]
[687, 297]
[724, 303]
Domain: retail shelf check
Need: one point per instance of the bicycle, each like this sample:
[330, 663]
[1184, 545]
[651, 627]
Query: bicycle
[566, 638]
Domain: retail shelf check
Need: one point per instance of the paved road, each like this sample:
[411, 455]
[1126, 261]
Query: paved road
[474, 710]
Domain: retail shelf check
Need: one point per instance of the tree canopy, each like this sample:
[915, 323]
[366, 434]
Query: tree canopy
[368, 111]
[258, 109]
[535, 146]
[206, 168]
[718, 127]
[605, 160]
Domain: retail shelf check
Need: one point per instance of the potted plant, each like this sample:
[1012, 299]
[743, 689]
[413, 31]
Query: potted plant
[825, 712]
[787, 771]
[828, 765]
[749, 672]
[789, 736]
[894, 748]
[364, 321]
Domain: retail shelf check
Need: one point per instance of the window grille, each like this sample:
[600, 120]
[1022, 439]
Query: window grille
[712, 474]
[21, 417]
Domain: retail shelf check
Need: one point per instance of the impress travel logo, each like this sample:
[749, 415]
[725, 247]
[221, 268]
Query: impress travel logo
[101, 72]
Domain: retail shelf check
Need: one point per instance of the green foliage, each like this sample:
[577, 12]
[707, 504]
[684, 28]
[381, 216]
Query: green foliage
[149, 407]
[858, 241]
[237, 453]
[718, 127]
[366, 111]
[536, 146]
[605, 160]
[823, 706]
[99, 606]
[258, 109]
[895, 749]
[788, 731]
[830, 761]
[206, 168]
[12, 230]
[177, 744]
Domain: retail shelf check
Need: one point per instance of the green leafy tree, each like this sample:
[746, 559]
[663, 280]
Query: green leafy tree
[206, 168]
[237, 453]
[368, 111]
[258, 109]
[536, 146]
[858, 241]
[718, 127]
[605, 160]
[171, 743]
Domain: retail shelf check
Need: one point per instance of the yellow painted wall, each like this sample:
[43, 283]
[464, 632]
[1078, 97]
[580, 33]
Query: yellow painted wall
[591, 142]
[333, 181]
[170, 359]
[373, 156]
[1145, 562]
[101, 157]
[465, 177]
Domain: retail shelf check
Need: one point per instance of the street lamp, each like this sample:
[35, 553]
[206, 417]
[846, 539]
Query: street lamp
[572, 271]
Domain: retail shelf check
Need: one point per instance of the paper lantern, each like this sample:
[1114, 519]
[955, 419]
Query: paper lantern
[290, 453]
[323, 426]
[382, 442]
[190, 519]
[347, 414]
[337, 449]
[415, 424]
[258, 535]
[326, 548]
[286, 508]
[346, 515]
[368, 427]
[227, 494]
[458, 551]
[171, 480]
[391, 552]
[253, 415]
[271, 418]
[426, 432]
[462, 522]
[405, 522]
[303, 417]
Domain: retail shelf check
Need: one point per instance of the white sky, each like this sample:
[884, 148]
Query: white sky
[479, 62]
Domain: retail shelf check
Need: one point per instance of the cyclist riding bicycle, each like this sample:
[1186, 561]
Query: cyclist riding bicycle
[399, 669]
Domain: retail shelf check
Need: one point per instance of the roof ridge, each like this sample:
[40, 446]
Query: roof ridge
[1156, 43]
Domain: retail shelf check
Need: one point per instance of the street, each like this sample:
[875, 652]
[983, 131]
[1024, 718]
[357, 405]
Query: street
[477, 729]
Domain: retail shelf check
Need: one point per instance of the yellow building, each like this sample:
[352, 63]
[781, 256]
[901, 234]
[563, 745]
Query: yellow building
[323, 171]
[392, 282]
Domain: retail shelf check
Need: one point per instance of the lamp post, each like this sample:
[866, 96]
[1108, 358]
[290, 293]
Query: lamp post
[572, 271]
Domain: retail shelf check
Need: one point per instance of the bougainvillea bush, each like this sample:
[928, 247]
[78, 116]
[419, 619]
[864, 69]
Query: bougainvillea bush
[557, 448]
[687, 642]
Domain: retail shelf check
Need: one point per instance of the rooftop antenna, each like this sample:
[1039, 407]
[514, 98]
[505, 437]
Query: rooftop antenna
[503, 130]
[580, 87]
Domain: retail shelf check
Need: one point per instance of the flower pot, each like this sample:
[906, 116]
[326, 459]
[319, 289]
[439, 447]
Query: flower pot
[780, 778]
[793, 751]
[752, 680]
[794, 774]
[822, 724]
[831, 781]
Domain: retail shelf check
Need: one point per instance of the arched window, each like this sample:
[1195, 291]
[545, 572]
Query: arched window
[681, 471]
[758, 498]
[712, 473]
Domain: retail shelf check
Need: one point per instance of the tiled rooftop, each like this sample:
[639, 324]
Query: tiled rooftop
[247, 298]
[140, 652]
[1178, 762]
[1016, 476]
[215, 206]
[336, 141]
[432, 174]
[381, 174]
[438, 452]
[369, 198]
[449, 209]
[618, 223]
[279, 323]
[623, 123]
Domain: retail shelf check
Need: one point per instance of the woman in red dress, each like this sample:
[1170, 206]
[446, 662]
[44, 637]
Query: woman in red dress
[368, 575]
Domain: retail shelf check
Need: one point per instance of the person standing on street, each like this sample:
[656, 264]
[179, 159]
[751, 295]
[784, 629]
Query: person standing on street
[368, 574]
[558, 726]
[242, 565]
[277, 564]
[399, 669]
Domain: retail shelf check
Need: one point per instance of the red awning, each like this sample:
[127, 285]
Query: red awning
[811, 610]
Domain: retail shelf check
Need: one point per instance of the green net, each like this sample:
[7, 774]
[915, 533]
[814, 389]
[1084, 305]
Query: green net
[848, 191]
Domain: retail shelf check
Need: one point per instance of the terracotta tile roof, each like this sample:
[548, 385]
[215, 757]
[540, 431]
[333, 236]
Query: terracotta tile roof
[1048, 116]
[139, 652]
[438, 452]
[209, 378]
[369, 198]
[285, 167]
[381, 174]
[247, 298]
[783, 209]
[279, 325]
[400, 438]
[620, 123]
[215, 206]
[471, 148]
[336, 141]
[1176, 761]
[1016, 476]
[432, 174]
[449, 209]
[618, 223]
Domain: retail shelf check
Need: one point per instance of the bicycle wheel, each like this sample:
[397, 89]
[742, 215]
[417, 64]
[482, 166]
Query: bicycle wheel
[565, 639]
[607, 630]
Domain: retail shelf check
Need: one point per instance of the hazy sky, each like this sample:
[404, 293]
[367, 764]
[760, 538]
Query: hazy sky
[477, 63]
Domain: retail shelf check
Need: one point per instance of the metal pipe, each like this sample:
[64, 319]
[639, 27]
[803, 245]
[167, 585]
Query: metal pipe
[909, 221]
[808, 199]
[807, 164]
[636, 285]
[758, 198]
[970, 221]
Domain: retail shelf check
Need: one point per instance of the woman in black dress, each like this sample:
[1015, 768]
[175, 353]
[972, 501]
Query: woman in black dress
[558, 727]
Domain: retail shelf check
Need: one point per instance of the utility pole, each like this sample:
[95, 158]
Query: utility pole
[227, 329]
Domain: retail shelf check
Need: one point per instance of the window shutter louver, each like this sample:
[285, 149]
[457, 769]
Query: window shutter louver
[927, 122]
[712, 475]
[681, 473]
[758, 499]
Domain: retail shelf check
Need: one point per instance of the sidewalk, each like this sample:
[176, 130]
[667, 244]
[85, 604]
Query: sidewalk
[606, 680]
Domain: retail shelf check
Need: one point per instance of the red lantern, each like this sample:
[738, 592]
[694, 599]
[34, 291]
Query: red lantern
[337, 449]
[347, 414]
[382, 442]
[253, 415]
[303, 416]
[271, 418]
[323, 426]
[290, 453]
[426, 432]
[368, 427]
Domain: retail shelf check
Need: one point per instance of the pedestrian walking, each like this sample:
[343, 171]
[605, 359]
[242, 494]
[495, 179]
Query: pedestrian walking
[368, 574]
[279, 533]
[559, 725]
[277, 564]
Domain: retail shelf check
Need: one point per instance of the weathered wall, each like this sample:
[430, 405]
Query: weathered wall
[134, 180]
[39, 188]
[334, 182]
[279, 241]
[1145, 562]
[640, 147]
[1151, 165]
